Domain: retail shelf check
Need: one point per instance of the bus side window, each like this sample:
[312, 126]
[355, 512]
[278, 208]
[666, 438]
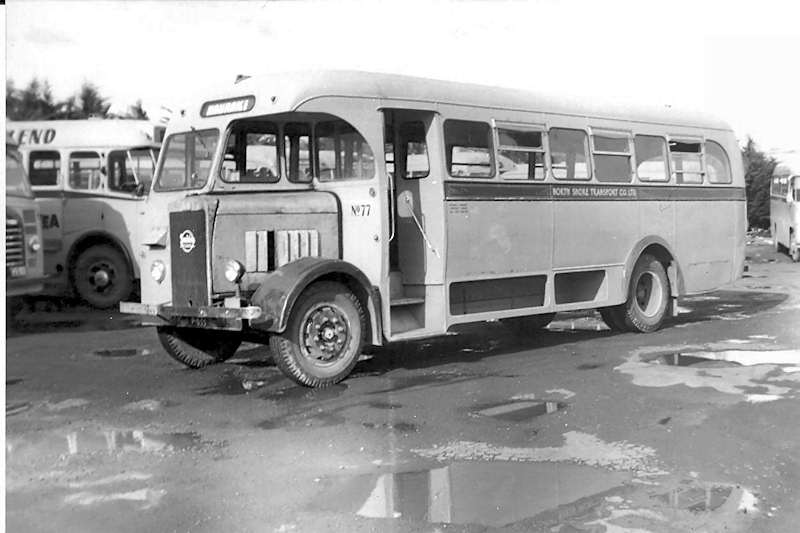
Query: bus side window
[44, 167]
[717, 164]
[84, 170]
[296, 151]
[520, 154]
[612, 158]
[651, 158]
[569, 154]
[342, 153]
[687, 161]
[469, 149]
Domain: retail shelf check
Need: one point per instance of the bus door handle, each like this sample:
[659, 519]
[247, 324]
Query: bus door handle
[392, 207]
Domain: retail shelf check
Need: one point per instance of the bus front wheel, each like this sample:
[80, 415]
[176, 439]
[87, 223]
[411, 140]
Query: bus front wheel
[323, 336]
[197, 348]
[648, 297]
[101, 276]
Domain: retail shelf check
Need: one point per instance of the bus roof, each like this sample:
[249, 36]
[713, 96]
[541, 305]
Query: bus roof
[86, 133]
[290, 90]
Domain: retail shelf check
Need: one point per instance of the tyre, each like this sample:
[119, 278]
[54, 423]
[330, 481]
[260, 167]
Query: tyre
[197, 348]
[648, 296]
[528, 325]
[102, 277]
[614, 317]
[323, 337]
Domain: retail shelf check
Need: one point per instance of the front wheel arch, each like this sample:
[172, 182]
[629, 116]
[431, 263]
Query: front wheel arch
[279, 291]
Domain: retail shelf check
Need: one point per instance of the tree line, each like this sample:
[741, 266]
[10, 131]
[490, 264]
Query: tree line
[36, 102]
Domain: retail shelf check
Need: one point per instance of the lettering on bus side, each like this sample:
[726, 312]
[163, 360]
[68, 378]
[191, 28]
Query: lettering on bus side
[571, 191]
[32, 136]
[361, 210]
[50, 221]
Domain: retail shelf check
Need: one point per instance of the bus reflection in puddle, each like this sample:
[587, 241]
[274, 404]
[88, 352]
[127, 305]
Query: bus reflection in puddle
[488, 493]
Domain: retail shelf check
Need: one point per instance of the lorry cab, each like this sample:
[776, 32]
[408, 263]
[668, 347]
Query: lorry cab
[24, 260]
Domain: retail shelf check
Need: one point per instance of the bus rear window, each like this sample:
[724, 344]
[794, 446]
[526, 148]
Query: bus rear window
[342, 152]
[469, 149]
[187, 160]
[717, 164]
[44, 167]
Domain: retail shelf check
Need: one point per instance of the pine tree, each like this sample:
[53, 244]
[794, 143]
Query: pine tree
[758, 176]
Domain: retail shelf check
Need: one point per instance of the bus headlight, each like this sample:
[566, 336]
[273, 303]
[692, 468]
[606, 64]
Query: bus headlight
[234, 270]
[158, 270]
[34, 244]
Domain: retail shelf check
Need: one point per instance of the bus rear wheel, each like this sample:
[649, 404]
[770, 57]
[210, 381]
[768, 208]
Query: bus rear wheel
[614, 317]
[648, 297]
[323, 337]
[197, 348]
[102, 277]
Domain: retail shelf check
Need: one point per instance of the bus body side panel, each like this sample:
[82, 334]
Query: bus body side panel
[705, 246]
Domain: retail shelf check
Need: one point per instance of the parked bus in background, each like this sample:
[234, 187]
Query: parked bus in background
[331, 210]
[90, 178]
[784, 207]
[24, 261]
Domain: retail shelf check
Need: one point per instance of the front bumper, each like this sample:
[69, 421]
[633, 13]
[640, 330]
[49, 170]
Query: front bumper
[205, 317]
[24, 286]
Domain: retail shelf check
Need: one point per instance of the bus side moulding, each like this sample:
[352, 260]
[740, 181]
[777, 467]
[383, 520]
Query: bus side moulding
[279, 290]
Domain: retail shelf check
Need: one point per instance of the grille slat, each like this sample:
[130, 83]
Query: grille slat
[15, 242]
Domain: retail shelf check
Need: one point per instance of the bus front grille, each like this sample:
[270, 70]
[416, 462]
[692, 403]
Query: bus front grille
[15, 242]
[188, 247]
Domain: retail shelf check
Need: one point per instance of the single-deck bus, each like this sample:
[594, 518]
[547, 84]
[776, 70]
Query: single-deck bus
[784, 207]
[90, 178]
[326, 211]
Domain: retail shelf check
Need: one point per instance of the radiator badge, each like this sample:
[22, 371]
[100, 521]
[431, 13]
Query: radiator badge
[187, 241]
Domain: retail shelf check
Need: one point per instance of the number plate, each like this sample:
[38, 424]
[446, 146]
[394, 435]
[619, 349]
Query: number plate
[17, 271]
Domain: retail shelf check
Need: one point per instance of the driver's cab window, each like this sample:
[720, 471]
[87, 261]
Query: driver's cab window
[85, 171]
[251, 154]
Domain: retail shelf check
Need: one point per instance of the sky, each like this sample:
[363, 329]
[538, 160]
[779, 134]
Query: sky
[737, 60]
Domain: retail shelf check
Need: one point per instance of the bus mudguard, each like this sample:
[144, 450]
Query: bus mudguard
[663, 251]
[280, 289]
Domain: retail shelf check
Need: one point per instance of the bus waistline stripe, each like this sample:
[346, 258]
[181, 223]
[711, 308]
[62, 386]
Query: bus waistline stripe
[472, 191]
[78, 194]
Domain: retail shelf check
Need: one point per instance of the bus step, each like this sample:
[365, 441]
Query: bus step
[396, 302]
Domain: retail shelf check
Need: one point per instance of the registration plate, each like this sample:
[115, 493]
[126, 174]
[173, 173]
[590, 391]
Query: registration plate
[17, 271]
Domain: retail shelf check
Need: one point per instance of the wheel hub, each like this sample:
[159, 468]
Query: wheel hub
[101, 278]
[326, 334]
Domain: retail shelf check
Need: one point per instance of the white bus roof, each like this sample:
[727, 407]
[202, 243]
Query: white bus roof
[87, 133]
[291, 90]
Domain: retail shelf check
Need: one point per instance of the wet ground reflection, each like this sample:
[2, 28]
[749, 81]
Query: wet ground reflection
[486, 493]
[518, 411]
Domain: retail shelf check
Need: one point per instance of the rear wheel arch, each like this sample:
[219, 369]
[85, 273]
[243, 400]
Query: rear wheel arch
[95, 239]
[658, 248]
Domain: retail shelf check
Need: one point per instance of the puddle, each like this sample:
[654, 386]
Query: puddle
[402, 427]
[491, 494]
[755, 375]
[13, 381]
[298, 422]
[304, 393]
[731, 358]
[21, 450]
[696, 499]
[384, 405]
[121, 352]
[518, 411]
[589, 366]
